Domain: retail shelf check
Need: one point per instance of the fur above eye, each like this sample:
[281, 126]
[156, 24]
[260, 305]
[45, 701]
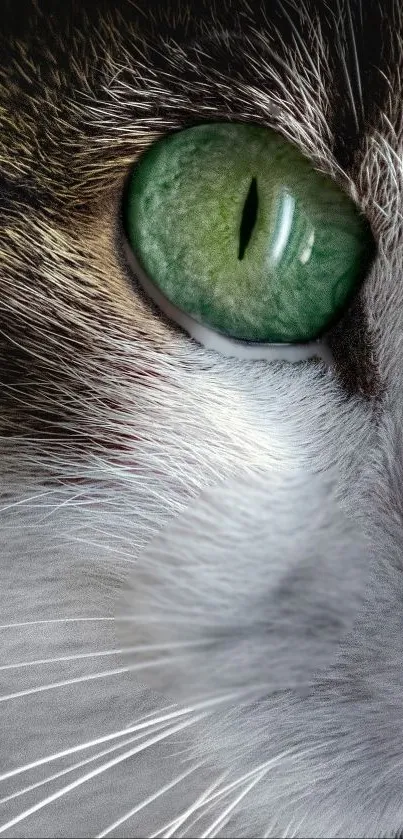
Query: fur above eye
[237, 230]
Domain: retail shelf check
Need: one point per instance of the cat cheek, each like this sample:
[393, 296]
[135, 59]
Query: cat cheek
[218, 608]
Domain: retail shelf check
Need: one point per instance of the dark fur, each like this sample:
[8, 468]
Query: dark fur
[287, 582]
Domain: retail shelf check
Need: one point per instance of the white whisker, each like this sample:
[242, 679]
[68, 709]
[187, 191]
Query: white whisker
[95, 772]
[224, 821]
[26, 500]
[144, 665]
[147, 801]
[224, 818]
[263, 767]
[66, 503]
[55, 685]
[139, 726]
[171, 827]
[297, 827]
[153, 713]
[268, 832]
[207, 799]
[234, 784]
[205, 812]
[77, 765]
[212, 800]
[61, 620]
[100, 653]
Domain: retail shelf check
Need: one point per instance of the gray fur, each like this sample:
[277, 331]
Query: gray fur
[113, 423]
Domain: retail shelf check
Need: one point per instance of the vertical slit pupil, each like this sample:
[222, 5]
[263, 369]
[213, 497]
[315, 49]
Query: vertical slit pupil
[248, 220]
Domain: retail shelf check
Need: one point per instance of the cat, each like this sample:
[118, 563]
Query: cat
[200, 605]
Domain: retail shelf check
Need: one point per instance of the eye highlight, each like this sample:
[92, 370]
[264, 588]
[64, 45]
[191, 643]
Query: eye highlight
[236, 229]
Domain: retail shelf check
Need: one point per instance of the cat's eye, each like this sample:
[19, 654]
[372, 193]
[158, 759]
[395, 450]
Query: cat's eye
[237, 230]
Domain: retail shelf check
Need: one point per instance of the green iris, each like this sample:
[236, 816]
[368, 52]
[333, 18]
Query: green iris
[235, 228]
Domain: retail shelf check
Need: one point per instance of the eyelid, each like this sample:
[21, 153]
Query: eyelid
[212, 340]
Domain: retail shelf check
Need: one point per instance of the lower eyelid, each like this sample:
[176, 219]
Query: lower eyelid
[213, 340]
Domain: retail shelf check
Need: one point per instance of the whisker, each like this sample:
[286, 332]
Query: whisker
[61, 620]
[171, 827]
[268, 832]
[54, 685]
[205, 812]
[298, 825]
[213, 800]
[208, 799]
[147, 801]
[160, 710]
[238, 781]
[144, 665]
[222, 820]
[100, 653]
[100, 770]
[66, 503]
[97, 742]
[26, 500]
[234, 784]
[77, 765]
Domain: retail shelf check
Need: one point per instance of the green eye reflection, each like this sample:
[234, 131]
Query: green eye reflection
[234, 226]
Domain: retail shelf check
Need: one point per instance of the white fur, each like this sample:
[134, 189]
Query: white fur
[113, 422]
